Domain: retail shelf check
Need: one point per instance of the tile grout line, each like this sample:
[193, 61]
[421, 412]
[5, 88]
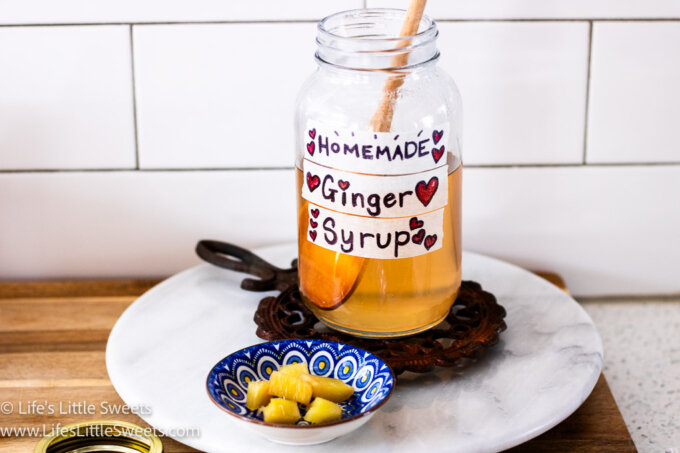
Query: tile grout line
[307, 21]
[230, 169]
[141, 170]
[579, 164]
[134, 97]
[628, 298]
[587, 106]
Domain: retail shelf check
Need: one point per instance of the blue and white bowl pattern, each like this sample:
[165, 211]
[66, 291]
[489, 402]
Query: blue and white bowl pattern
[371, 378]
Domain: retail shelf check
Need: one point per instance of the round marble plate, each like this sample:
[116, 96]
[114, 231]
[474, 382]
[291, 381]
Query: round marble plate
[545, 365]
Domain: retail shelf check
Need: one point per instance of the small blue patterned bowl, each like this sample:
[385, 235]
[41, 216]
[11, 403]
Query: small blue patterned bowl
[371, 378]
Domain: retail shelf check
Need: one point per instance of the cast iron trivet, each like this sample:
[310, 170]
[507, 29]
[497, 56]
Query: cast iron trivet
[473, 325]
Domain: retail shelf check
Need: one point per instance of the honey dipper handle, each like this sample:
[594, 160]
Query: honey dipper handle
[382, 119]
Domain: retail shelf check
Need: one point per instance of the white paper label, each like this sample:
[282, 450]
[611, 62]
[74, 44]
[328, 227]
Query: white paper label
[375, 196]
[377, 153]
[376, 238]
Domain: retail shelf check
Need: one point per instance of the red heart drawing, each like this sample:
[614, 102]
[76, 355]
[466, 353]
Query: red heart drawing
[424, 192]
[437, 154]
[437, 135]
[313, 181]
[313, 223]
[312, 234]
[312, 133]
[430, 241]
[310, 148]
[315, 213]
[414, 223]
[343, 184]
[418, 237]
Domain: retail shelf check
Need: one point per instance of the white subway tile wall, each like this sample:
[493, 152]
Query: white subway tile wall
[219, 95]
[135, 223]
[541, 9]
[592, 224]
[135, 11]
[635, 92]
[86, 11]
[509, 75]
[607, 229]
[66, 98]
[572, 155]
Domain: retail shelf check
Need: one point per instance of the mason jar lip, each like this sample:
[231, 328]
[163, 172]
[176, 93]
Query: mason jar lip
[430, 29]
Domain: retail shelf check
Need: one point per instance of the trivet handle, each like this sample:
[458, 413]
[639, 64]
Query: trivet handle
[235, 258]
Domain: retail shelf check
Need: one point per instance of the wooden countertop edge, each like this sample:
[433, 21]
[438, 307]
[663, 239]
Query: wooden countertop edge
[76, 288]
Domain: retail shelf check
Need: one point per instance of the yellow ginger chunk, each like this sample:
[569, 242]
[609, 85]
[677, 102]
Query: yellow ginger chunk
[328, 388]
[290, 388]
[322, 411]
[294, 369]
[258, 395]
[281, 411]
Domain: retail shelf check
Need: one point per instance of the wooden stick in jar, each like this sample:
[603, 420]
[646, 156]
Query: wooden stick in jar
[382, 119]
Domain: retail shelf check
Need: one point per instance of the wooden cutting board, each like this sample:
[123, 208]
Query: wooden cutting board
[52, 352]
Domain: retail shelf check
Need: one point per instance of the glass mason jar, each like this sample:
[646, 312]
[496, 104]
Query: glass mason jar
[378, 170]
